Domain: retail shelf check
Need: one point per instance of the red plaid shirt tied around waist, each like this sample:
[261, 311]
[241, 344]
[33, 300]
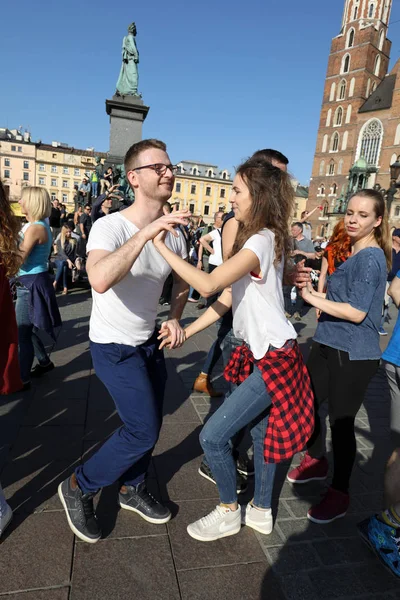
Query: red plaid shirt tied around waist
[291, 420]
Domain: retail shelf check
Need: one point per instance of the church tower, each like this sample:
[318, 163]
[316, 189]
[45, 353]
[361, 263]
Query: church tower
[358, 62]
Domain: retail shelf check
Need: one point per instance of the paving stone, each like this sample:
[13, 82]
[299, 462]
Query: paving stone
[335, 552]
[298, 586]
[55, 410]
[36, 552]
[300, 530]
[192, 554]
[40, 443]
[237, 582]
[336, 583]
[375, 577]
[275, 538]
[293, 557]
[179, 479]
[49, 594]
[30, 490]
[142, 567]
[300, 506]
[179, 439]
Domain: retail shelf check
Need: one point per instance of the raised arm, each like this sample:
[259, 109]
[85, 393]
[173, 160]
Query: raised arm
[105, 269]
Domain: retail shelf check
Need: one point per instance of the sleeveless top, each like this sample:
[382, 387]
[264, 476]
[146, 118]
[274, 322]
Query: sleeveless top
[37, 261]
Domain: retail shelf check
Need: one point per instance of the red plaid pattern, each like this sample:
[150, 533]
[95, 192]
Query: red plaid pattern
[291, 420]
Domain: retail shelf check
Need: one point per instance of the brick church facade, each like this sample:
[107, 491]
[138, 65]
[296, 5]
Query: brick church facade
[360, 115]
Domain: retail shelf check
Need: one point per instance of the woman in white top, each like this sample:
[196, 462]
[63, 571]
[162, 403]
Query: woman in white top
[261, 198]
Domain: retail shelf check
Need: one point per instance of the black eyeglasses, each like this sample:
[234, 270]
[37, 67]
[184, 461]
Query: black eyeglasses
[159, 168]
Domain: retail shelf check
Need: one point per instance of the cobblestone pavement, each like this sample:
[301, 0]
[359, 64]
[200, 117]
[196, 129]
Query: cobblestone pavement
[44, 434]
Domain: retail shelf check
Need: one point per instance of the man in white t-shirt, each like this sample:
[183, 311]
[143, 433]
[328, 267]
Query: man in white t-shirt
[214, 238]
[127, 276]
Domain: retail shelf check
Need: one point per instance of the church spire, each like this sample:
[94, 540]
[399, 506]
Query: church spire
[366, 12]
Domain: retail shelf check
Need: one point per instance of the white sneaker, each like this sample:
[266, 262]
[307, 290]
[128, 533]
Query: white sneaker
[260, 520]
[220, 523]
[5, 519]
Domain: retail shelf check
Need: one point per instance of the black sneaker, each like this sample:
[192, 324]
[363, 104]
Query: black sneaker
[80, 512]
[245, 466]
[139, 500]
[241, 483]
[39, 370]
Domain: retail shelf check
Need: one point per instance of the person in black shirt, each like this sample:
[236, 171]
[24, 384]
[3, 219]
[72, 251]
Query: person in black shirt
[55, 219]
[85, 225]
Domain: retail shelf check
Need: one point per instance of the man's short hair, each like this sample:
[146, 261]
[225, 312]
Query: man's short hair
[130, 161]
[270, 155]
[219, 212]
[298, 224]
[87, 206]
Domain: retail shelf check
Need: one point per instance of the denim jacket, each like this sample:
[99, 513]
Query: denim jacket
[360, 282]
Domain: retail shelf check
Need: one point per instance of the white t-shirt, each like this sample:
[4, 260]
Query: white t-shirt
[258, 306]
[216, 258]
[126, 313]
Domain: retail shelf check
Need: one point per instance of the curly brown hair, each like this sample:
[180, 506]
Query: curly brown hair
[272, 197]
[10, 258]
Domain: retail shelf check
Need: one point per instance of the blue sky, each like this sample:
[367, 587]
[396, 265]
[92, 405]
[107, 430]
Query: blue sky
[222, 79]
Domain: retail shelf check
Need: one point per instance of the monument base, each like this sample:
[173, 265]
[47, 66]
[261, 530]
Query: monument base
[127, 114]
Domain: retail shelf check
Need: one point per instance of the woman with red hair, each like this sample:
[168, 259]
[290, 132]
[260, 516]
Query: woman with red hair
[336, 252]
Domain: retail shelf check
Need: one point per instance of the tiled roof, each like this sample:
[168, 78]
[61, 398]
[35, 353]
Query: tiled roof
[382, 97]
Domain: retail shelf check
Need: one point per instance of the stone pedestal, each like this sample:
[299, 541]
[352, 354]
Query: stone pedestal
[127, 114]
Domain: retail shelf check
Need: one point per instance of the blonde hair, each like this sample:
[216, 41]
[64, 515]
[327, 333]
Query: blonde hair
[64, 230]
[37, 202]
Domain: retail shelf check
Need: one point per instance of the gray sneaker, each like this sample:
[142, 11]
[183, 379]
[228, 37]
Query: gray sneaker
[220, 522]
[5, 518]
[139, 500]
[80, 512]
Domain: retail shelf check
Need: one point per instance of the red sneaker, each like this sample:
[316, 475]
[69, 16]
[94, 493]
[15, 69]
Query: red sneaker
[332, 506]
[310, 469]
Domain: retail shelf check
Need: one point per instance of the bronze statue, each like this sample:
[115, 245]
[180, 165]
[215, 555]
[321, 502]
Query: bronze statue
[127, 84]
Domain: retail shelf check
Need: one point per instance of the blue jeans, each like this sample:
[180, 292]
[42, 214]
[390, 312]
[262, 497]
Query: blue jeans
[215, 352]
[135, 377]
[249, 403]
[29, 343]
[61, 272]
[95, 188]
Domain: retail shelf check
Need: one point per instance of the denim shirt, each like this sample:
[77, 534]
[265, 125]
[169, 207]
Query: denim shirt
[360, 281]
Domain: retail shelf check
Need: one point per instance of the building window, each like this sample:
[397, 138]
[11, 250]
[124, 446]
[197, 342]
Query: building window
[54, 155]
[178, 187]
[41, 181]
[334, 189]
[335, 142]
[350, 38]
[53, 195]
[26, 164]
[195, 171]
[65, 183]
[371, 10]
[193, 188]
[321, 190]
[355, 13]
[381, 39]
[322, 168]
[6, 174]
[65, 198]
[26, 176]
[206, 210]
[331, 168]
[377, 66]
[42, 167]
[76, 183]
[66, 170]
[209, 173]
[54, 168]
[6, 162]
[346, 63]
[397, 211]
[13, 148]
[19, 148]
[191, 208]
[180, 170]
[208, 189]
[77, 172]
[222, 193]
[339, 116]
[371, 140]
[54, 182]
[342, 89]
[224, 175]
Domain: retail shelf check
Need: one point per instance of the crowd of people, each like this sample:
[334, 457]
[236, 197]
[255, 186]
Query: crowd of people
[261, 271]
